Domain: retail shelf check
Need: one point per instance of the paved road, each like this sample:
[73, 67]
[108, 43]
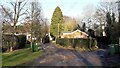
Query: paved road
[58, 56]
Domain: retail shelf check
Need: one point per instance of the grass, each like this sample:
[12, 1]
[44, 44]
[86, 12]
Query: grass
[18, 57]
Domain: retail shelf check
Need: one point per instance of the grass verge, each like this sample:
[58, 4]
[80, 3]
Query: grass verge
[18, 57]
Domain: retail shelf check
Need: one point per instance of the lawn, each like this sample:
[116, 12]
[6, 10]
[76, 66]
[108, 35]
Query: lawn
[18, 57]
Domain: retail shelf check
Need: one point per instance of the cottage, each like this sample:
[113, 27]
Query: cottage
[75, 34]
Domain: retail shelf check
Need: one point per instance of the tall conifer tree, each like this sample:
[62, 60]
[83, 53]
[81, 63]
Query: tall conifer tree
[56, 26]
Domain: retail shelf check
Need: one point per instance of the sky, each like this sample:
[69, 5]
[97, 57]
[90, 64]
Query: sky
[72, 8]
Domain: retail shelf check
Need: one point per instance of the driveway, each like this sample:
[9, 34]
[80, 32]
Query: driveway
[54, 55]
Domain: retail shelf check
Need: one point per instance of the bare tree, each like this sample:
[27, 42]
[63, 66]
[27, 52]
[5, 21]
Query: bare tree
[100, 14]
[70, 24]
[100, 17]
[37, 22]
[13, 15]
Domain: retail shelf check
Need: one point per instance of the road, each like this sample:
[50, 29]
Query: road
[54, 55]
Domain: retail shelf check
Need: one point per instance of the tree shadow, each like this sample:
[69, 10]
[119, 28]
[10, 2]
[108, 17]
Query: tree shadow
[81, 57]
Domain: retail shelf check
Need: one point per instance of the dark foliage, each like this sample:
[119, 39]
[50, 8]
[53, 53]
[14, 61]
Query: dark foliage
[84, 27]
[53, 37]
[91, 33]
[45, 39]
[112, 29]
[19, 42]
[102, 41]
[7, 42]
[75, 42]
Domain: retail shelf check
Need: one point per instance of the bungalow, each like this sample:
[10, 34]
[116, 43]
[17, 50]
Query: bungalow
[75, 34]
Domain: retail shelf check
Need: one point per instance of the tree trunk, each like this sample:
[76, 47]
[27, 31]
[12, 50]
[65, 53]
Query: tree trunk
[13, 39]
[8, 44]
[58, 30]
[11, 48]
[31, 39]
[31, 34]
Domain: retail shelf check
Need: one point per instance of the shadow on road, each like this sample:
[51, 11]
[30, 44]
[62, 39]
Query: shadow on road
[56, 56]
[81, 57]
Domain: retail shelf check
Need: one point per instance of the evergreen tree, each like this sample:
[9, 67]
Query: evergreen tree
[57, 22]
[84, 27]
[113, 18]
[112, 28]
[108, 27]
[119, 18]
[108, 19]
[115, 30]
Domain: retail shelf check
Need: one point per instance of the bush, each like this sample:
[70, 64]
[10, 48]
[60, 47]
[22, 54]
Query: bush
[19, 42]
[103, 41]
[7, 42]
[45, 39]
[76, 42]
[64, 41]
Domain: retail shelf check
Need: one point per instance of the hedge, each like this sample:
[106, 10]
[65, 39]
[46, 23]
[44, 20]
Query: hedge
[76, 42]
[19, 42]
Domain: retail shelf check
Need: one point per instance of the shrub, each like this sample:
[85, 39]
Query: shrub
[45, 39]
[19, 42]
[102, 42]
[7, 42]
[76, 42]
[64, 41]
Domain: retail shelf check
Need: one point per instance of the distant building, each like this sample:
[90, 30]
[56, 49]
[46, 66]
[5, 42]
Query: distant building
[28, 36]
[75, 34]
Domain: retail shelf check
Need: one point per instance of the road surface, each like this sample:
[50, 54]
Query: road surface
[58, 56]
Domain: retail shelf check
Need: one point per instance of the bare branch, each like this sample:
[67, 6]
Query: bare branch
[23, 12]
[7, 13]
[23, 5]
[12, 4]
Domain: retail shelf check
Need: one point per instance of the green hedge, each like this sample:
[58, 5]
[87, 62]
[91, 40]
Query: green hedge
[77, 42]
[19, 42]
